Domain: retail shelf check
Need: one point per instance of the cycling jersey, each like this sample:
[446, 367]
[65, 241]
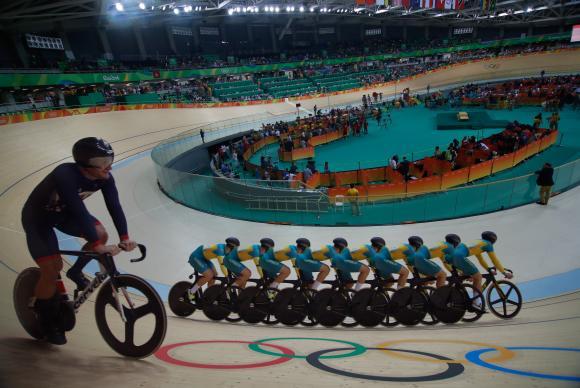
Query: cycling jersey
[57, 202]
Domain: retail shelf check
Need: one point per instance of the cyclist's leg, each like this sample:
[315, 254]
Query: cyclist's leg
[75, 272]
[43, 247]
[469, 269]
[243, 278]
[322, 274]
[429, 268]
[276, 270]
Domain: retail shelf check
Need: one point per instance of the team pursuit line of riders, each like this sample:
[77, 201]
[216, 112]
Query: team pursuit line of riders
[345, 300]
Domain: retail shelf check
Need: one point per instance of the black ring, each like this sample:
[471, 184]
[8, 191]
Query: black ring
[453, 369]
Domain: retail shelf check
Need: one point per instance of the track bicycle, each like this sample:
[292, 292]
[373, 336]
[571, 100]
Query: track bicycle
[122, 295]
[504, 298]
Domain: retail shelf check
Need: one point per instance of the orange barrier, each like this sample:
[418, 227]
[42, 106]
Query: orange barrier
[455, 178]
[480, 170]
[424, 185]
[295, 154]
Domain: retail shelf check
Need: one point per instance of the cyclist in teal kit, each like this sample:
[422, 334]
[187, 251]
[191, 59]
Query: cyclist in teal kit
[271, 266]
[306, 263]
[379, 257]
[418, 255]
[340, 257]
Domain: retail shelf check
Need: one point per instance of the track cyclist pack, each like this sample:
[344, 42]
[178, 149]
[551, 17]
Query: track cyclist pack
[414, 302]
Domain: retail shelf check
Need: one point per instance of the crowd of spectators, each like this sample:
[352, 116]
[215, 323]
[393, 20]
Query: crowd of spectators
[198, 90]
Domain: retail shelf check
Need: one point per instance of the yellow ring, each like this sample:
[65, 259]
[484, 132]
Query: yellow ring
[504, 354]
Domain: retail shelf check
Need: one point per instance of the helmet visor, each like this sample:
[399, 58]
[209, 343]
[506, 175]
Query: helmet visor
[101, 162]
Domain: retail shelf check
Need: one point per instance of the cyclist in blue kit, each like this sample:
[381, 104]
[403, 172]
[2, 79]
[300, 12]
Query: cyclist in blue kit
[306, 263]
[459, 259]
[379, 257]
[57, 202]
[417, 255]
[200, 260]
[270, 264]
[340, 257]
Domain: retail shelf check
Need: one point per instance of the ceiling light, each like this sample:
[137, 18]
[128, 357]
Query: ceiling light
[530, 9]
[141, 5]
[119, 7]
[311, 9]
[277, 9]
[230, 11]
[519, 11]
[176, 11]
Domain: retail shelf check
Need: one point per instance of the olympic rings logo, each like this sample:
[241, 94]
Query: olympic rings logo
[348, 349]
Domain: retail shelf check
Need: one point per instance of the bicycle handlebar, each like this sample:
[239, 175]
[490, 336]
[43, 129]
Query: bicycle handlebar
[143, 251]
[95, 255]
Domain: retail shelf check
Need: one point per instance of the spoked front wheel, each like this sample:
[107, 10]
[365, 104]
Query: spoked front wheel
[139, 303]
[504, 299]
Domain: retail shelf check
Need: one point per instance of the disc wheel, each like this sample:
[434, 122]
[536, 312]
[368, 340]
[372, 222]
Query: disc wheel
[430, 318]
[216, 303]
[448, 304]
[253, 305]
[389, 320]
[409, 306]
[141, 300]
[475, 303]
[179, 302]
[369, 307]
[504, 299]
[23, 294]
[330, 307]
[290, 306]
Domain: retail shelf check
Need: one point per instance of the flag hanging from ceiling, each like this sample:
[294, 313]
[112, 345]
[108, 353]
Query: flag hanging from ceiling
[427, 3]
[397, 3]
[415, 4]
[406, 3]
[440, 4]
[459, 4]
[382, 2]
[488, 5]
[449, 4]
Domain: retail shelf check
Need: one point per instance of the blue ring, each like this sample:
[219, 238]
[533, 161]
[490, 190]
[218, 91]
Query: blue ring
[475, 357]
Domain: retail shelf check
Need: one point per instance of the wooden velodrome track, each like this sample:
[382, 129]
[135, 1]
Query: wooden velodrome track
[534, 241]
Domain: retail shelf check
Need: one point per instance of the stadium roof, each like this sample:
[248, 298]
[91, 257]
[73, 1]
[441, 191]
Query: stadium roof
[510, 12]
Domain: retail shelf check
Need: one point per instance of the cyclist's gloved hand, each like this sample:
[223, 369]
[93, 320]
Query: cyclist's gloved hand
[110, 249]
[508, 274]
[127, 245]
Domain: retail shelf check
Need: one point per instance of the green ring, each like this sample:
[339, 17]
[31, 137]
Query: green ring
[358, 348]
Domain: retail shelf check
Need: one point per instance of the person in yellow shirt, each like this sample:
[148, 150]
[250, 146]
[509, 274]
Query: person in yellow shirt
[352, 195]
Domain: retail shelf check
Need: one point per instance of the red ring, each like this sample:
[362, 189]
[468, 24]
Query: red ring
[163, 354]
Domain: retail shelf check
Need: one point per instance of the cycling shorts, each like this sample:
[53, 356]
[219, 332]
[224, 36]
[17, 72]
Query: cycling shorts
[40, 235]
